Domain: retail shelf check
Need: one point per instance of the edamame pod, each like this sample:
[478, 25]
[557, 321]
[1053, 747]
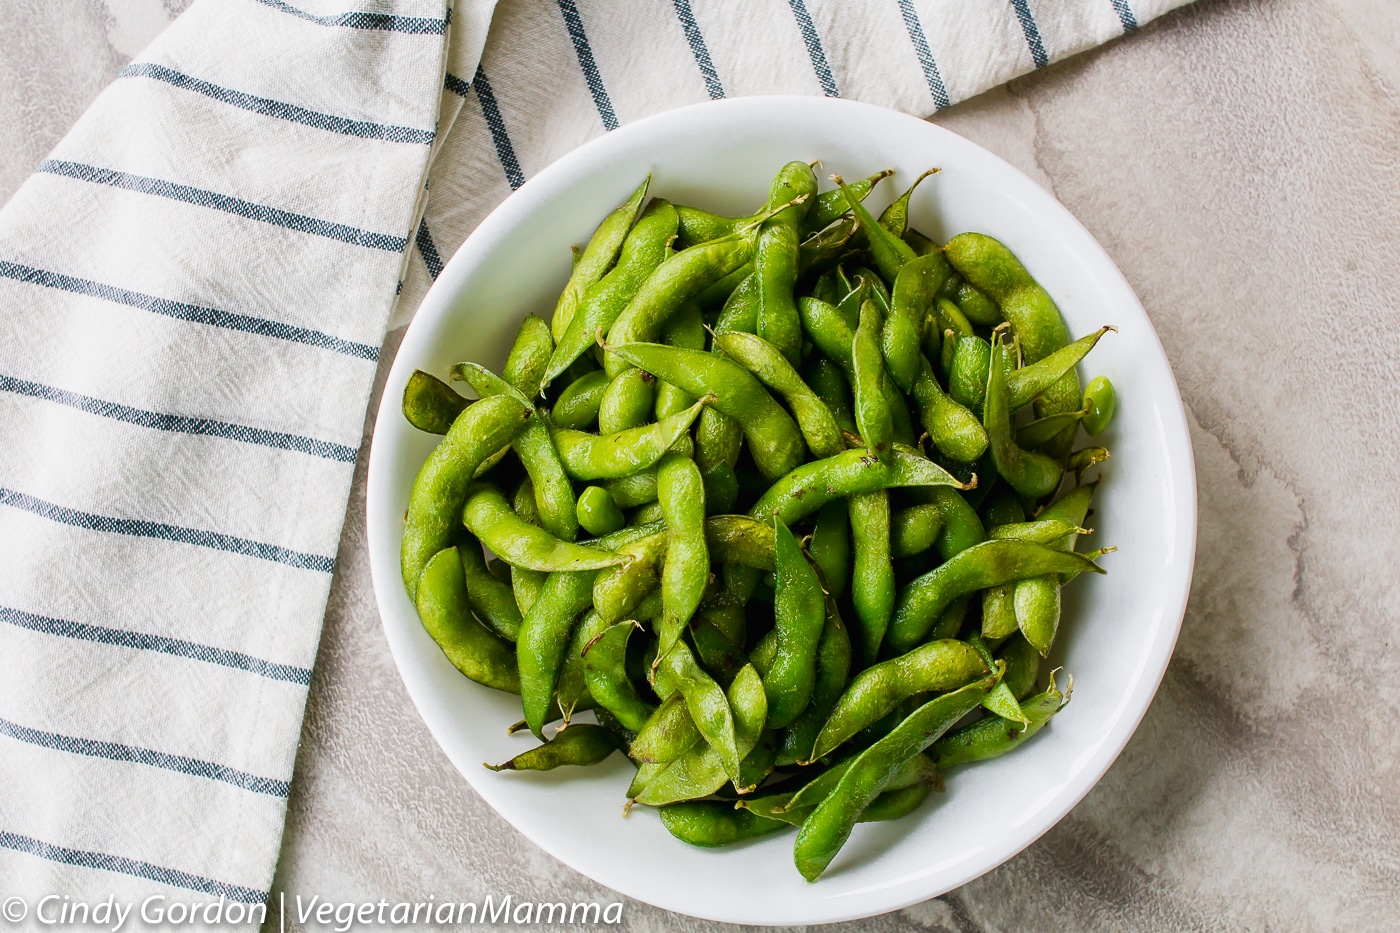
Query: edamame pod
[775, 258]
[773, 438]
[758, 356]
[429, 404]
[830, 547]
[446, 614]
[440, 488]
[610, 456]
[489, 516]
[712, 823]
[889, 251]
[681, 493]
[993, 737]
[529, 356]
[628, 401]
[976, 568]
[605, 671]
[872, 570]
[895, 218]
[1032, 474]
[581, 744]
[799, 616]
[577, 406]
[597, 257]
[918, 281]
[873, 409]
[491, 599]
[812, 485]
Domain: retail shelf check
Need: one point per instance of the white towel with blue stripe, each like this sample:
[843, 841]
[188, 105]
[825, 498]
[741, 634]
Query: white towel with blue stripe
[196, 284]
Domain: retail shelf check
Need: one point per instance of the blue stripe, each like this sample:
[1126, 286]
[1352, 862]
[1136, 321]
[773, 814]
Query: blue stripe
[414, 25]
[699, 49]
[456, 85]
[1126, 16]
[492, 113]
[591, 75]
[140, 641]
[814, 48]
[112, 751]
[197, 314]
[428, 250]
[278, 109]
[1032, 32]
[223, 202]
[139, 528]
[925, 53]
[125, 866]
[180, 424]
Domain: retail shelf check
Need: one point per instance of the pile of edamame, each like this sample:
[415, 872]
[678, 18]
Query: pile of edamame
[764, 496]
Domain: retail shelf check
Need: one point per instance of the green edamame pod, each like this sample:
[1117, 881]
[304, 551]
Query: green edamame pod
[1037, 600]
[763, 359]
[740, 540]
[529, 356]
[895, 218]
[651, 512]
[577, 406]
[1032, 474]
[992, 737]
[799, 616]
[446, 614]
[627, 402]
[489, 516]
[440, 488]
[827, 246]
[828, 381]
[830, 205]
[597, 513]
[740, 311]
[914, 530]
[1099, 401]
[1034, 317]
[717, 294]
[644, 249]
[935, 667]
[1081, 460]
[571, 691]
[889, 251]
[609, 456]
[491, 600]
[872, 570]
[849, 303]
[1043, 430]
[830, 547]
[873, 411]
[773, 437]
[833, 669]
[919, 769]
[775, 258]
[812, 485]
[526, 585]
[921, 244]
[701, 770]
[961, 526]
[999, 611]
[677, 671]
[634, 489]
[681, 493]
[828, 827]
[718, 440]
[976, 306]
[1041, 531]
[721, 488]
[429, 404]
[1022, 666]
[954, 430]
[696, 225]
[967, 378]
[976, 568]
[619, 590]
[597, 258]
[668, 733]
[1001, 699]
[605, 671]
[582, 744]
[914, 288]
[1025, 384]
[712, 823]
[554, 493]
[677, 281]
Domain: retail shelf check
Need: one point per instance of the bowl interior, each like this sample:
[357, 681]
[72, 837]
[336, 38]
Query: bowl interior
[1119, 630]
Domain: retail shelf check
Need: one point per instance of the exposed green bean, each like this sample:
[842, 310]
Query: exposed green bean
[634, 489]
[1100, 398]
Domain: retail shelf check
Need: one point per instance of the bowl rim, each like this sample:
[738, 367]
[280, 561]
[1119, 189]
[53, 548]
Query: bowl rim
[531, 196]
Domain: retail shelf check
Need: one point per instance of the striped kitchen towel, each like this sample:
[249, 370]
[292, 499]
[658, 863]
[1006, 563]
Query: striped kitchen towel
[196, 285]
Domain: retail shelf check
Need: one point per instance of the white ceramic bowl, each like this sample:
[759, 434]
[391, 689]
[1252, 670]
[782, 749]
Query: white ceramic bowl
[1119, 629]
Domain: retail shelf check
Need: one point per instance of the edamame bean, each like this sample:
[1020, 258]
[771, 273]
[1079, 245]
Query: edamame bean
[627, 402]
[605, 671]
[1032, 474]
[758, 356]
[872, 570]
[967, 377]
[776, 255]
[712, 823]
[598, 514]
[1099, 401]
[809, 487]
[429, 404]
[873, 411]
[993, 737]
[577, 407]
[489, 516]
[581, 744]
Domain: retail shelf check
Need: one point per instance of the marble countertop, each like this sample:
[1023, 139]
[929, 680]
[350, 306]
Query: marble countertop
[1240, 160]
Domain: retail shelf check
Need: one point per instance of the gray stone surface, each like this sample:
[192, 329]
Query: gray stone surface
[1240, 160]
